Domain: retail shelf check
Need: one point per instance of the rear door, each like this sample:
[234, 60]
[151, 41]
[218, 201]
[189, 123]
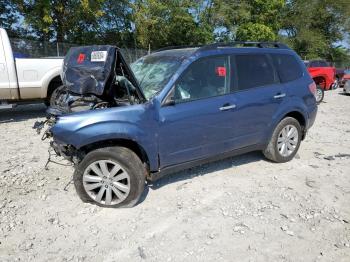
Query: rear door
[259, 95]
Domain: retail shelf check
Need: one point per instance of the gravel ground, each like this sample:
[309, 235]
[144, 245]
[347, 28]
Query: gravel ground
[240, 209]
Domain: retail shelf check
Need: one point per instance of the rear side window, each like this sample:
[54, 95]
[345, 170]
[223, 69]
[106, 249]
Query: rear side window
[287, 67]
[253, 71]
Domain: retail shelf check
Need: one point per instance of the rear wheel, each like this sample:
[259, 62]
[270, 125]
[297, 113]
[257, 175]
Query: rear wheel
[110, 177]
[319, 94]
[52, 87]
[285, 141]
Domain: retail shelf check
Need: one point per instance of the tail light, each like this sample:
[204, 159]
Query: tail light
[312, 88]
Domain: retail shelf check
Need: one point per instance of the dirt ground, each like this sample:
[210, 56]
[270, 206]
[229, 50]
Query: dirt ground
[240, 209]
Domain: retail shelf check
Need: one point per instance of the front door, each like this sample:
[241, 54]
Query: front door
[198, 125]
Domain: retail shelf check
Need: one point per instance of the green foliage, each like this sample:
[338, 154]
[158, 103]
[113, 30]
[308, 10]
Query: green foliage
[115, 25]
[255, 32]
[69, 20]
[167, 23]
[248, 19]
[340, 56]
[8, 17]
[314, 28]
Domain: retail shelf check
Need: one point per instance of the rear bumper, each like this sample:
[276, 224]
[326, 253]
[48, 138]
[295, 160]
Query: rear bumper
[312, 112]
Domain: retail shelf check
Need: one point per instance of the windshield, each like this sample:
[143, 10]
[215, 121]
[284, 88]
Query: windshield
[153, 72]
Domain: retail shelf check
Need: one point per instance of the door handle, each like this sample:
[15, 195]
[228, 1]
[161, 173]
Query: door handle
[227, 107]
[279, 96]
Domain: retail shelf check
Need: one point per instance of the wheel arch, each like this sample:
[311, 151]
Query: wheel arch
[300, 118]
[48, 78]
[127, 143]
[321, 79]
[53, 84]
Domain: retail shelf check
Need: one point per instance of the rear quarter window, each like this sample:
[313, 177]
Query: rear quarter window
[287, 67]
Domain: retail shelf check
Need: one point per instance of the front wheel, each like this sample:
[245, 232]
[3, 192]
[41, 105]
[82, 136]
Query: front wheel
[110, 177]
[319, 94]
[285, 141]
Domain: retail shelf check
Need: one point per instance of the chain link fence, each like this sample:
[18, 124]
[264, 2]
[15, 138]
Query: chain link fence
[25, 48]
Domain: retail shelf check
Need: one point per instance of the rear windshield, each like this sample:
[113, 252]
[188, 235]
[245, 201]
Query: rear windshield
[153, 72]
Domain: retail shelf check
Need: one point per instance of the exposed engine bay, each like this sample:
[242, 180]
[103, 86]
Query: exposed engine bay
[95, 77]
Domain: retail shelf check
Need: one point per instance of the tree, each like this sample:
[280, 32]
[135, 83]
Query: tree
[115, 25]
[255, 32]
[9, 17]
[244, 20]
[167, 23]
[314, 27]
[61, 20]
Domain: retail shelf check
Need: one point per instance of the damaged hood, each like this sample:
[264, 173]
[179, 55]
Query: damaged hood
[88, 69]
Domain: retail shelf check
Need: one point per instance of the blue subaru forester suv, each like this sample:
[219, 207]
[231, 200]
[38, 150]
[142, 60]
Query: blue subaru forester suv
[190, 106]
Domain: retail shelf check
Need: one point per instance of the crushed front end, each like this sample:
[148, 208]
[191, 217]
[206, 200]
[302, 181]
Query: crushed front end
[59, 148]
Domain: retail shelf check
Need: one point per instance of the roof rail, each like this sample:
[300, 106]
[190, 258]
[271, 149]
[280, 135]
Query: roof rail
[246, 44]
[177, 47]
[229, 44]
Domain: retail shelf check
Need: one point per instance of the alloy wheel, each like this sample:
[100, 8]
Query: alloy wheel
[287, 140]
[319, 93]
[106, 182]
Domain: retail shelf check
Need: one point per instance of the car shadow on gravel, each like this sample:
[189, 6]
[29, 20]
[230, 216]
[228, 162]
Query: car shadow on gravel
[202, 170]
[22, 113]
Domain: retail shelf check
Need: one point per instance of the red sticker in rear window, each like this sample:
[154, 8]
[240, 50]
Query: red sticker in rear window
[81, 58]
[220, 71]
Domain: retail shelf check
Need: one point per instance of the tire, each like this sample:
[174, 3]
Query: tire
[272, 151]
[55, 95]
[335, 85]
[319, 94]
[52, 87]
[132, 174]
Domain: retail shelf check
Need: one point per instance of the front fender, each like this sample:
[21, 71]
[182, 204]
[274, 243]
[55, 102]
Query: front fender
[105, 131]
[79, 130]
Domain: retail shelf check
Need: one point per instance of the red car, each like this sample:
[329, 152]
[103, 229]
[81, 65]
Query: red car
[324, 75]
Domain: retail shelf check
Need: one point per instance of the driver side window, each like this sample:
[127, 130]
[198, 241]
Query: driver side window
[207, 77]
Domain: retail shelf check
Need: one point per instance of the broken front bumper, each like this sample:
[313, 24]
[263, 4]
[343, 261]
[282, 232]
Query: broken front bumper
[68, 152]
[60, 148]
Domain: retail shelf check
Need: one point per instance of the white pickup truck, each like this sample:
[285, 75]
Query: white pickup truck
[26, 80]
